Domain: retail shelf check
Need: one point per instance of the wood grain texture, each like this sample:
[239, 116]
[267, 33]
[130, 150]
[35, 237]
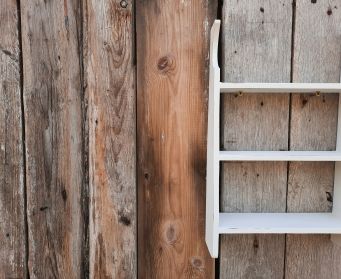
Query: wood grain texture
[53, 122]
[317, 58]
[12, 198]
[256, 42]
[110, 76]
[172, 54]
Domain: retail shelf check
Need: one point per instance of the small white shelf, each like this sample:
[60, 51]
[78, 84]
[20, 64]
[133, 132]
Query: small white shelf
[280, 87]
[332, 156]
[249, 223]
[298, 223]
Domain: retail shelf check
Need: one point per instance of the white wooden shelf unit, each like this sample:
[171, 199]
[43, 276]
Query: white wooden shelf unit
[249, 223]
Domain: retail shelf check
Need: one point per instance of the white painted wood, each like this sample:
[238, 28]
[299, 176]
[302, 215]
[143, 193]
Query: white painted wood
[280, 87]
[337, 178]
[268, 223]
[280, 155]
[306, 223]
[212, 179]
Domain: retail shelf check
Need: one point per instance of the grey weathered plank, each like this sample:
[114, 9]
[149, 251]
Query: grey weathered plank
[317, 58]
[256, 41]
[53, 122]
[12, 197]
[110, 77]
[172, 53]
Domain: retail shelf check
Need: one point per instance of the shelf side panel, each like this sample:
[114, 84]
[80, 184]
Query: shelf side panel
[212, 179]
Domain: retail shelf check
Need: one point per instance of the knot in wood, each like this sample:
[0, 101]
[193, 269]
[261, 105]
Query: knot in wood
[124, 219]
[166, 64]
[64, 195]
[197, 262]
[171, 233]
[124, 4]
[255, 243]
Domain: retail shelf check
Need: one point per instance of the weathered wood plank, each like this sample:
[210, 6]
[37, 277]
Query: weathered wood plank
[317, 58]
[110, 76]
[53, 122]
[172, 54]
[12, 196]
[256, 41]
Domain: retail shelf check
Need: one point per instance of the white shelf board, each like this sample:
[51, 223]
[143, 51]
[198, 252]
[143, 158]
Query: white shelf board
[307, 223]
[280, 87]
[332, 156]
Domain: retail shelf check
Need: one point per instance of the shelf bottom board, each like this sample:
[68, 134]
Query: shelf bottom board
[296, 223]
[280, 156]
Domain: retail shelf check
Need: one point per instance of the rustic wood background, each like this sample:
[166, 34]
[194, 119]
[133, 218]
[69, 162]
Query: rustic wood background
[103, 117]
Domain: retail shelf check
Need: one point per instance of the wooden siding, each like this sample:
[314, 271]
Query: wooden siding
[103, 117]
[313, 127]
[172, 53]
[256, 47]
[52, 93]
[110, 80]
[13, 244]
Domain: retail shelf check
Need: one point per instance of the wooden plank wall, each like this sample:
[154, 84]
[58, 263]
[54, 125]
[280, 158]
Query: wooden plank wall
[76, 168]
[307, 49]
[109, 68]
[67, 94]
[13, 244]
[256, 47]
[53, 136]
[172, 52]
[313, 127]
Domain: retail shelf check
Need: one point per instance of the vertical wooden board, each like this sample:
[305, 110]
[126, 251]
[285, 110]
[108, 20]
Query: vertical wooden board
[317, 58]
[313, 257]
[53, 123]
[110, 77]
[256, 40]
[172, 63]
[255, 256]
[12, 197]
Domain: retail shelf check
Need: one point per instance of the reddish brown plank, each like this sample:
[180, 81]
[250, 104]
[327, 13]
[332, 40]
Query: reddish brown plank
[172, 53]
[12, 198]
[53, 121]
[110, 77]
